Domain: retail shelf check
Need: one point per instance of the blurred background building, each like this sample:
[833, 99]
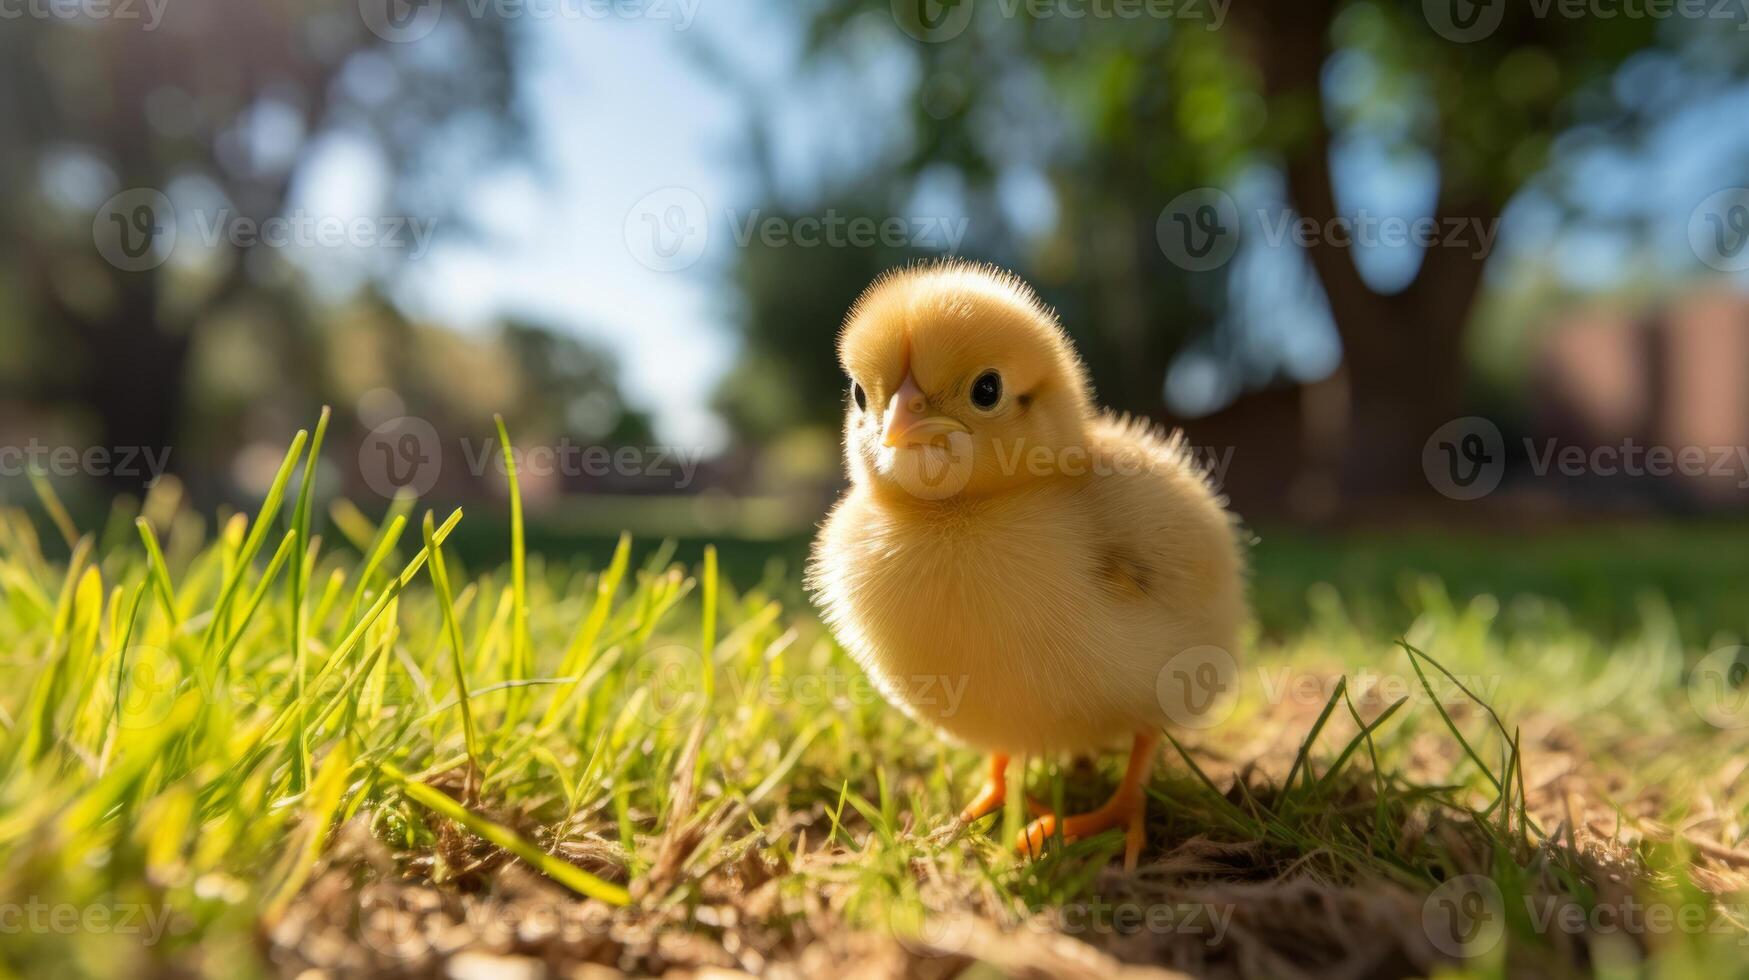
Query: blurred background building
[1313, 233]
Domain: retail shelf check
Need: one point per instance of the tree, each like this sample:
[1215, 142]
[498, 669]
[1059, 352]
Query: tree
[224, 105]
[570, 388]
[1485, 105]
[1121, 115]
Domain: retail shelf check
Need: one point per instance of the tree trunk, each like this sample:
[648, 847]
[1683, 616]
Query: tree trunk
[134, 376]
[137, 391]
[1403, 352]
[1401, 388]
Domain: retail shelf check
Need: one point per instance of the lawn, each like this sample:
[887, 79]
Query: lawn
[305, 738]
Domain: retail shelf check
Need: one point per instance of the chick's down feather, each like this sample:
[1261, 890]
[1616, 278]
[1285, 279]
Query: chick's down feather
[1011, 565]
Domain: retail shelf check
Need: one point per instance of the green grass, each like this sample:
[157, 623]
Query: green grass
[278, 740]
[1597, 575]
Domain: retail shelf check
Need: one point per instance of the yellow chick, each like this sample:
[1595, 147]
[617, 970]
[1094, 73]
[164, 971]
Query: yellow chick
[1012, 565]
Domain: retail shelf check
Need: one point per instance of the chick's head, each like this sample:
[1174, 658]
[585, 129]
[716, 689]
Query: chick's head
[962, 384]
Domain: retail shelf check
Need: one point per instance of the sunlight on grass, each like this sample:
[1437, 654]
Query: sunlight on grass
[638, 737]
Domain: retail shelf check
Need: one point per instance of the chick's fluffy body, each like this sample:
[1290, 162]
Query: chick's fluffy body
[1040, 606]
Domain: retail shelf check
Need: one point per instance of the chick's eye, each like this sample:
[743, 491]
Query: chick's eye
[861, 399]
[987, 390]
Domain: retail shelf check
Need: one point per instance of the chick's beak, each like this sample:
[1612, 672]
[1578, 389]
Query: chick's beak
[908, 419]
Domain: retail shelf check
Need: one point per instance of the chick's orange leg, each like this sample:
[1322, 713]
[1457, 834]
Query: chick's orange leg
[1125, 809]
[994, 794]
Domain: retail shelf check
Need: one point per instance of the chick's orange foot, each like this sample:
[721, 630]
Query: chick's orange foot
[1126, 813]
[1127, 808]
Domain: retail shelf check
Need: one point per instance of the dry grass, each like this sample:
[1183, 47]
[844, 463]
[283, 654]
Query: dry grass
[1206, 902]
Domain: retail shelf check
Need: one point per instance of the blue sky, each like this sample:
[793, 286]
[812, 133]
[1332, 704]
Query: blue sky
[617, 111]
[622, 109]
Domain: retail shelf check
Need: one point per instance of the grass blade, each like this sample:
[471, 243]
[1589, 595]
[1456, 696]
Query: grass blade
[295, 588]
[257, 537]
[518, 667]
[160, 573]
[1302, 759]
[440, 582]
[51, 502]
